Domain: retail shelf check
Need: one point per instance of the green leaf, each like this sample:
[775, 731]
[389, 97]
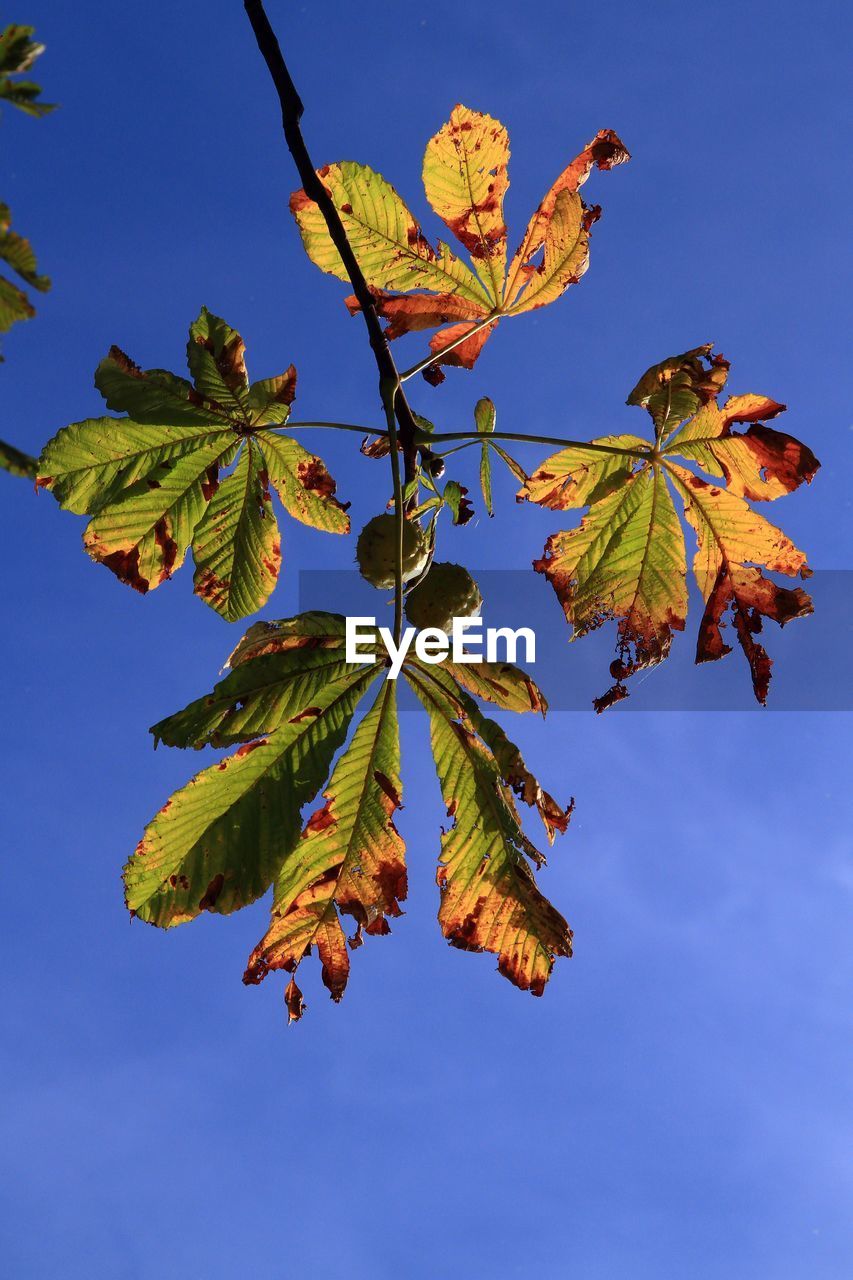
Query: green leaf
[237, 547]
[256, 697]
[455, 497]
[220, 841]
[565, 255]
[512, 690]
[92, 463]
[489, 898]
[143, 537]
[465, 173]
[507, 686]
[315, 629]
[389, 245]
[18, 52]
[148, 478]
[674, 389]
[349, 861]
[218, 844]
[153, 396]
[14, 305]
[515, 468]
[485, 417]
[575, 477]
[216, 359]
[16, 462]
[270, 398]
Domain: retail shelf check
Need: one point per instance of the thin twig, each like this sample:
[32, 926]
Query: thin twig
[291, 114]
[477, 437]
[334, 426]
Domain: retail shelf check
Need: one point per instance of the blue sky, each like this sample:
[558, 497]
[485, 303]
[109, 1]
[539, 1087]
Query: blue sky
[678, 1102]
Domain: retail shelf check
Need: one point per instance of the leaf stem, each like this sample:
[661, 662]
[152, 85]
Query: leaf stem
[457, 342]
[333, 426]
[476, 437]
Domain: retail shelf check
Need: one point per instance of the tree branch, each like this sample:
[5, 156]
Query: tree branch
[291, 114]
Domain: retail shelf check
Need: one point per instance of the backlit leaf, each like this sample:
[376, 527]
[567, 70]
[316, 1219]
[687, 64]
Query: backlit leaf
[465, 179]
[237, 547]
[237, 828]
[258, 696]
[484, 420]
[144, 536]
[489, 898]
[626, 560]
[455, 496]
[565, 253]
[604, 152]
[313, 630]
[156, 482]
[391, 249]
[506, 686]
[465, 175]
[304, 486]
[18, 52]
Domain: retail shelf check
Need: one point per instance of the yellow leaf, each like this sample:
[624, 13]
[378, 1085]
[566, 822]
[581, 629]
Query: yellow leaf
[465, 178]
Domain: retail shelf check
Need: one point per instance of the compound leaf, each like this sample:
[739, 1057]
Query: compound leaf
[626, 560]
[236, 828]
[153, 481]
